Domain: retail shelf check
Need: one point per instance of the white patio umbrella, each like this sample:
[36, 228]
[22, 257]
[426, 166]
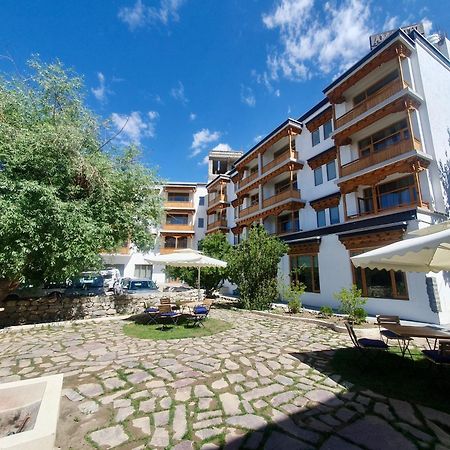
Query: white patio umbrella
[424, 253]
[188, 258]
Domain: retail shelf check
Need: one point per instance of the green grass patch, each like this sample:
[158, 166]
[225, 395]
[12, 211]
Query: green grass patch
[181, 331]
[388, 374]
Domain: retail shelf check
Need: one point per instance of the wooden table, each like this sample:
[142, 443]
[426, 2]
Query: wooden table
[406, 331]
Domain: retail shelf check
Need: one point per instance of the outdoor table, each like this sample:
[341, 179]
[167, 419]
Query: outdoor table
[407, 331]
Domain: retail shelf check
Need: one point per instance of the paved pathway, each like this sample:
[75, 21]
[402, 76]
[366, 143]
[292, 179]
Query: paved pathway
[244, 388]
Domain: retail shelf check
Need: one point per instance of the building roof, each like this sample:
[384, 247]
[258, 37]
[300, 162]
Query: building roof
[314, 109]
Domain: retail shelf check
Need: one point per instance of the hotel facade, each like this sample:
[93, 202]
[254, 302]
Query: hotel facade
[356, 172]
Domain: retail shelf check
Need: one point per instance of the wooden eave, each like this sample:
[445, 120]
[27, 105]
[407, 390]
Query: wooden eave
[322, 158]
[371, 239]
[177, 233]
[309, 247]
[217, 181]
[177, 188]
[320, 119]
[290, 130]
[217, 206]
[326, 202]
[405, 102]
[292, 205]
[408, 165]
[397, 49]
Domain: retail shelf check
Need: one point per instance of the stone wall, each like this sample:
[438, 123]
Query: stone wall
[50, 309]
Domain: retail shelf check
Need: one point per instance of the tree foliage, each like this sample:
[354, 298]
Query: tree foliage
[253, 267]
[352, 303]
[212, 278]
[64, 195]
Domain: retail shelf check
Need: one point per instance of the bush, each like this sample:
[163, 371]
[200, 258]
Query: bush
[294, 305]
[352, 303]
[326, 311]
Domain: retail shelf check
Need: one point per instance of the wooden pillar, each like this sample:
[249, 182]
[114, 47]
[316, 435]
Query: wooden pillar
[410, 126]
[400, 70]
[374, 198]
[417, 184]
[344, 204]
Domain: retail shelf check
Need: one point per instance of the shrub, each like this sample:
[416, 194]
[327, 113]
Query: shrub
[294, 305]
[352, 303]
[326, 311]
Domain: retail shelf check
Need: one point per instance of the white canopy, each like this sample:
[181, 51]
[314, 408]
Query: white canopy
[424, 253]
[188, 258]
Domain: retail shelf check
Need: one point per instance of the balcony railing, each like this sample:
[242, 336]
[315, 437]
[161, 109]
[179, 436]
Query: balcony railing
[216, 199]
[292, 227]
[178, 227]
[384, 93]
[166, 250]
[404, 146]
[221, 223]
[248, 210]
[178, 204]
[248, 179]
[280, 159]
[277, 198]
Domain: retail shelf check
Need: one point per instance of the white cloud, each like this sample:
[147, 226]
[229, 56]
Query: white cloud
[427, 25]
[258, 138]
[140, 15]
[100, 91]
[221, 147]
[133, 127]
[201, 139]
[391, 23]
[178, 93]
[192, 116]
[204, 161]
[317, 38]
[247, 96]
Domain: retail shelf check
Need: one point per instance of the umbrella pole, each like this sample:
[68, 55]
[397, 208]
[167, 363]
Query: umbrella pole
[198, 283]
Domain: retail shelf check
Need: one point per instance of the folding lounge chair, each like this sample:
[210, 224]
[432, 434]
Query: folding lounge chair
[365, 343]
[441, 356]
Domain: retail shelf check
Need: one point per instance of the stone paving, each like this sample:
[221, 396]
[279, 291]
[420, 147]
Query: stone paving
[249, 387]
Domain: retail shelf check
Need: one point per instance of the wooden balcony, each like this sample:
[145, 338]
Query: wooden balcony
[404, 146]
[278, 198]
[179, 205]
[280, 159]
[214, 200]
[248, 179]
[221, 223]
[177, 227]
[249, 210]
[384, 93]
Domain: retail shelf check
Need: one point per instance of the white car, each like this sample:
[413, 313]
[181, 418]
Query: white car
[112, 280]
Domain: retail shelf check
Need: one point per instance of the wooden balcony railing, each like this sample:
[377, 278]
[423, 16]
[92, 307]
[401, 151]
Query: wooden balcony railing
[404, 146]
[279, 159]
[178, 227]
[277, 198]
[384, 93]
[216, 199]
[221, 223]
[248, 179]
[249, 210]
[166, 250]
[180, 204]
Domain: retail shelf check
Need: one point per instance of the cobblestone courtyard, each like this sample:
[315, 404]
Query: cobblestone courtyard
[250, 387]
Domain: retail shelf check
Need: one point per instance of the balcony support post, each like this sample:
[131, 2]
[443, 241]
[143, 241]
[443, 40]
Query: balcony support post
[344, 204]
[374, 198]
[416, 171]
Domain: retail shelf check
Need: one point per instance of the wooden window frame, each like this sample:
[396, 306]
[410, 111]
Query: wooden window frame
[313, 280]
[366, 95]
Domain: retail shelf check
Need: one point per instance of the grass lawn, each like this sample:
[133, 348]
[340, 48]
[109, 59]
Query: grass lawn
[387, 373]
[179, 331]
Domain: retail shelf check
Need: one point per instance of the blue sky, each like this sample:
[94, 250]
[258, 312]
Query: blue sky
[188, 75]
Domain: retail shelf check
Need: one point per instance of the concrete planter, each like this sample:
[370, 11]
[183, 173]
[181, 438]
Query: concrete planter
[36, 403]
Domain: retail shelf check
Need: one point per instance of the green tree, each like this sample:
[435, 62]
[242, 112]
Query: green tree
[64, 194]
[212, 278]
[253, 267]
[352, 303]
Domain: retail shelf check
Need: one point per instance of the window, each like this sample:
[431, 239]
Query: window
[285, 185]
[318, 177]
[305, 269]
[201, 201]
[182, 242]
[375, 87]
[177, 197]
[254, 200]
[219, 167]
[327, 129]
[177, 219]
[143, 270]
[334, 215]
[253, 170]
[170, 242]
[282, 151]
[321, 220]
[201, 222]
[380, 283]
[288, 223]
[315, 136]
[331, 170]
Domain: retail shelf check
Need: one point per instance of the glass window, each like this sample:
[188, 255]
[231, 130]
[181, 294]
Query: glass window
[305, 269]
[318, 177]
[334, 215]
[182, 242]
[143, 270]
[177, 219]
[375, 87]
[201, 201]
[321, 220]
[170, 242]
[201, 222]
[177, 197]
[327, 129]
[380, 283]
[315, 136]
[288, 223]
[331, 170]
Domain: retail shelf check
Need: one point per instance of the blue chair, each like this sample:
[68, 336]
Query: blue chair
[440, 357]
[152, 313]
[165, 313]
[200, 313]
[365, 343]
